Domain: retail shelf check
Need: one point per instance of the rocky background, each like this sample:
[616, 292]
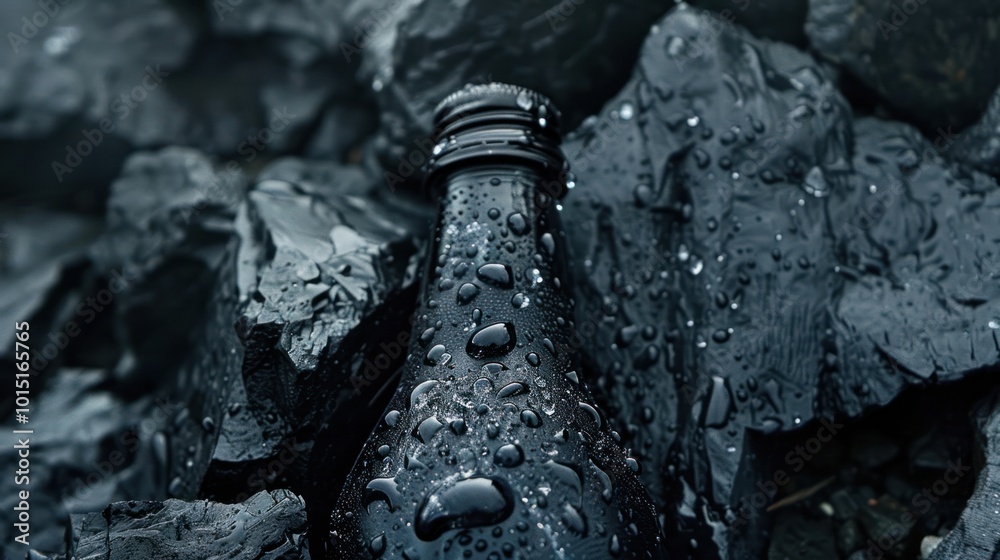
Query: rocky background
[784, 227]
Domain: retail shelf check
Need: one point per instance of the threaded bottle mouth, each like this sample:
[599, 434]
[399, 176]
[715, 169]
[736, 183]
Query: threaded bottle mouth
[495, 123]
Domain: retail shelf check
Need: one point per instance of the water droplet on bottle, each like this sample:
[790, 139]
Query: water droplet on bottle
[422, 390]
[509, 456]
[548, 243]
[606, 484]
[492, 341]
[592, 412]
[533, 359]
[512, 390]
[435, 355]
[575, 520]
[549, 346]
[524, 101]
[466, 293]
[499, 275]
[614, 547]
[391, 418]
[377, 545]
[427, 428]
[531, 418]
[564, 474]
[518, 224]
[382, 490]
[427, 336]
[473, 502]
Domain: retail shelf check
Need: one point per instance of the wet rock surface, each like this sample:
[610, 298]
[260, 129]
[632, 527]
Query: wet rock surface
[732, 233]
[979, 145]
[268, 526]
[758, 255]
[937, 72]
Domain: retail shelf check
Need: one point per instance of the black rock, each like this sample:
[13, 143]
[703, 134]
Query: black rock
[975, 535]
[67, 75]
[897, 320]
[780, 20]
[268, 526]
[849, 537]
[871, 450]
[169, 223]
[888, 524]
[696, 230]
[979, 145]
[714, 223]
[795, 536]
[325, 274]
[89, 447]
[936, 65]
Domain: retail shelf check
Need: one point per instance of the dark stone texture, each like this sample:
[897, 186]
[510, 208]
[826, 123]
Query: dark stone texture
[90, 447]
[979, 145]
[935, 64]
[268, 526]
[743, 278]
[779, 20]
[326, 271]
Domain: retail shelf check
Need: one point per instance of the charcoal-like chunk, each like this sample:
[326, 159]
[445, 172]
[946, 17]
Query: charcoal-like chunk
[268, 526]
[932, 63]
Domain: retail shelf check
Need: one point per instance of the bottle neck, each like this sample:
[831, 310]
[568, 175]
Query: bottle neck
[495, 261]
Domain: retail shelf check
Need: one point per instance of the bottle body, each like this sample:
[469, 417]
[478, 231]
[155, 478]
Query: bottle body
[492, 445]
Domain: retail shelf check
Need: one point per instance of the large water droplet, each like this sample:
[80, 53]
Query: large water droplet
[466, 293]
[492, 341]
[426, 430]
[509, 455]
[518, 224]
[592, 412]
[524, 101]
[495, 274]
[564, 474]
[614, 547]
[421, 390]
[512, 390]
[473, 502]
[548, 243]
[530, 418]
[385, 490]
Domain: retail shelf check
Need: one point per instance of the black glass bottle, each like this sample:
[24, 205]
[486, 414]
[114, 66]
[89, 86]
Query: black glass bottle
[492, 446]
